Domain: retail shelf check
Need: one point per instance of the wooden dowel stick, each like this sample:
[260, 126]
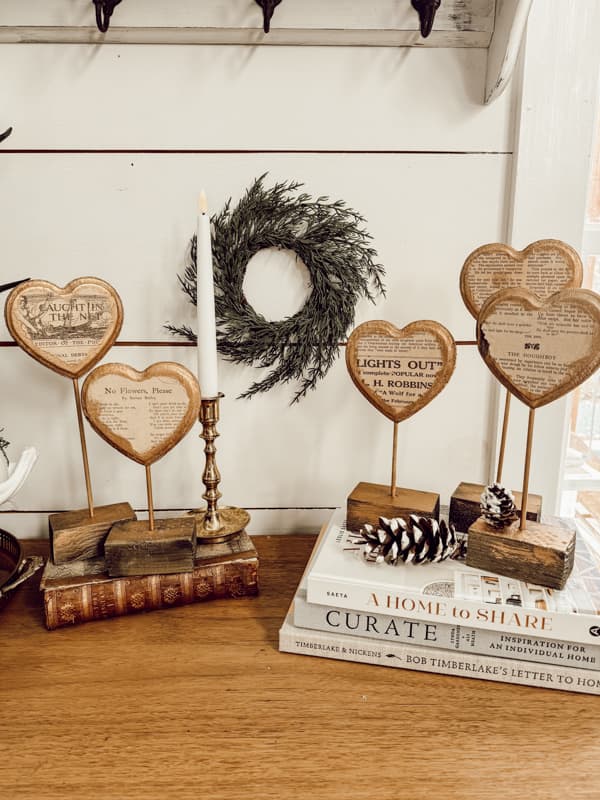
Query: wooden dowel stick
[86, 465]
[394, 460]
[150, 500]
[526, 471]
[503, 437]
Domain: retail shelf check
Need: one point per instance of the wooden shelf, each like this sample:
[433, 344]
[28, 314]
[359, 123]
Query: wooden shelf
[494, 24]
[198, 702]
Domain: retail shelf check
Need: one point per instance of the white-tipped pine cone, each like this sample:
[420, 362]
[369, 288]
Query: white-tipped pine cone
[498, 506]
[415, 540]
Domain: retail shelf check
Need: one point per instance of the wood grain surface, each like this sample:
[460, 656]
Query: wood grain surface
[197, 702]
[541, 554]
[73, 534]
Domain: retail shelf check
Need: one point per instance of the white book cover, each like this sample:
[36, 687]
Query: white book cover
[426, 659]
[452, 593]
[440, 635]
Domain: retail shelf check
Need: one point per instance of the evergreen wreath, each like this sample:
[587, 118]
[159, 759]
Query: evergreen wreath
[330, 240]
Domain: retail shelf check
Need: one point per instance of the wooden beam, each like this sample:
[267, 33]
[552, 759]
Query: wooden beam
[320, 37]
[511, 19]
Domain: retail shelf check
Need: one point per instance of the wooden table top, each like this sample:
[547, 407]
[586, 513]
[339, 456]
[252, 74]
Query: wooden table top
[197, 702]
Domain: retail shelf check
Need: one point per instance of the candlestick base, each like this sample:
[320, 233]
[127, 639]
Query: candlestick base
[229, 522]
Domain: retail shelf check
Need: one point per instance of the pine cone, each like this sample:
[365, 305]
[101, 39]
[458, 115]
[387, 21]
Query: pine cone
[415, 540]
[498, 506]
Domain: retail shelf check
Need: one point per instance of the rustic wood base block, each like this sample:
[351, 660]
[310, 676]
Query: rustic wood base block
[131, 548]
[369, 501]
[465, 508]
[540, 554]
[75, 535]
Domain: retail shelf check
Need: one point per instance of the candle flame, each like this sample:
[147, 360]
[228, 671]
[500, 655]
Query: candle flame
[202, 203]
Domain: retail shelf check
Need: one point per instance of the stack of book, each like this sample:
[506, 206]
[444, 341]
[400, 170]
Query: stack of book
[447, 617]
[81, 591]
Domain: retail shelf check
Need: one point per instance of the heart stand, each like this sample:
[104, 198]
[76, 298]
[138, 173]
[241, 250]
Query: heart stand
[543, 267]
[540, 350]
[68, 330]
[399, 372]
[144, 415]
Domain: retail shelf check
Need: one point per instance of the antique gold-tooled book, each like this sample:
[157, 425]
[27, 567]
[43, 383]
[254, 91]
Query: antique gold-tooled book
[82, 591]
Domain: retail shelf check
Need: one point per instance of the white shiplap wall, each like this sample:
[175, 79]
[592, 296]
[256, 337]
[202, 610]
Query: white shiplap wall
[111, 145]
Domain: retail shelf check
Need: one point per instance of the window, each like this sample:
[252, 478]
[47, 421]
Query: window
[580, 496]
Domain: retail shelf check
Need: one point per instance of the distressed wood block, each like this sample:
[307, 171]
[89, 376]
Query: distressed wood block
[541, 554]
[369, 501]
[131, 548]
[465, 510]
[75, 535]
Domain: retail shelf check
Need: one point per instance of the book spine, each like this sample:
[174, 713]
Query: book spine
[444, 636]
[578, 628]
[120, 596]
[406, 656]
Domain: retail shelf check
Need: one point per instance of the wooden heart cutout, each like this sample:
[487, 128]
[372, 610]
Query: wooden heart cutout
[544, 267]
[141, 414]
[540, 349]
[400, 370]
[68, 330]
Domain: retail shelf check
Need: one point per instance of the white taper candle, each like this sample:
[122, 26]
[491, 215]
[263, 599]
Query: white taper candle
[205, 306]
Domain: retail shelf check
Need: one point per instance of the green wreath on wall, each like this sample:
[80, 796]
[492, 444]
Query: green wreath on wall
[329, 239]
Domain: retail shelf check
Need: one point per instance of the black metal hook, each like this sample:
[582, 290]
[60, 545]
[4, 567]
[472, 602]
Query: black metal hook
[427, 9]
[104, 10]
[6, 286]
[268, 7]
[6, 134]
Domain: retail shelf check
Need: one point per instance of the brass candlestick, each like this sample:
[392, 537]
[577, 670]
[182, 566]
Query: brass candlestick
[215, 524]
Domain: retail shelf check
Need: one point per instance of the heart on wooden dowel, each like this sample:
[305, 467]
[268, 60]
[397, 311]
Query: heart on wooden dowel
[66, 329]
[540, 349]
[141, 414]
[400, 370]
[544, 267]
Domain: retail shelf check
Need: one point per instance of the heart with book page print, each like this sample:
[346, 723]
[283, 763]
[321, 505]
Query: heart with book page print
[141, 414]
[400, 370]
[66, 329]
[540, 349]
[544, 267]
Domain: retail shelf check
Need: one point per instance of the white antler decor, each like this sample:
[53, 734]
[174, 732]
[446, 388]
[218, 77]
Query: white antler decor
[17, 474]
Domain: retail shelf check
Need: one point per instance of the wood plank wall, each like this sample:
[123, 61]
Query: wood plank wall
[111, 145]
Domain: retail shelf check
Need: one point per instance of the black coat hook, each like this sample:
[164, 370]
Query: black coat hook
[268, 7]
[6, 134]
[427, 9]
[6, 286]
[104, 10]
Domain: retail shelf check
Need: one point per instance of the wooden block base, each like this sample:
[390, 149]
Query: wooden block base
[465, 508]
[75, 535]
[369, 501]
[131, 548]
[540, 554]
